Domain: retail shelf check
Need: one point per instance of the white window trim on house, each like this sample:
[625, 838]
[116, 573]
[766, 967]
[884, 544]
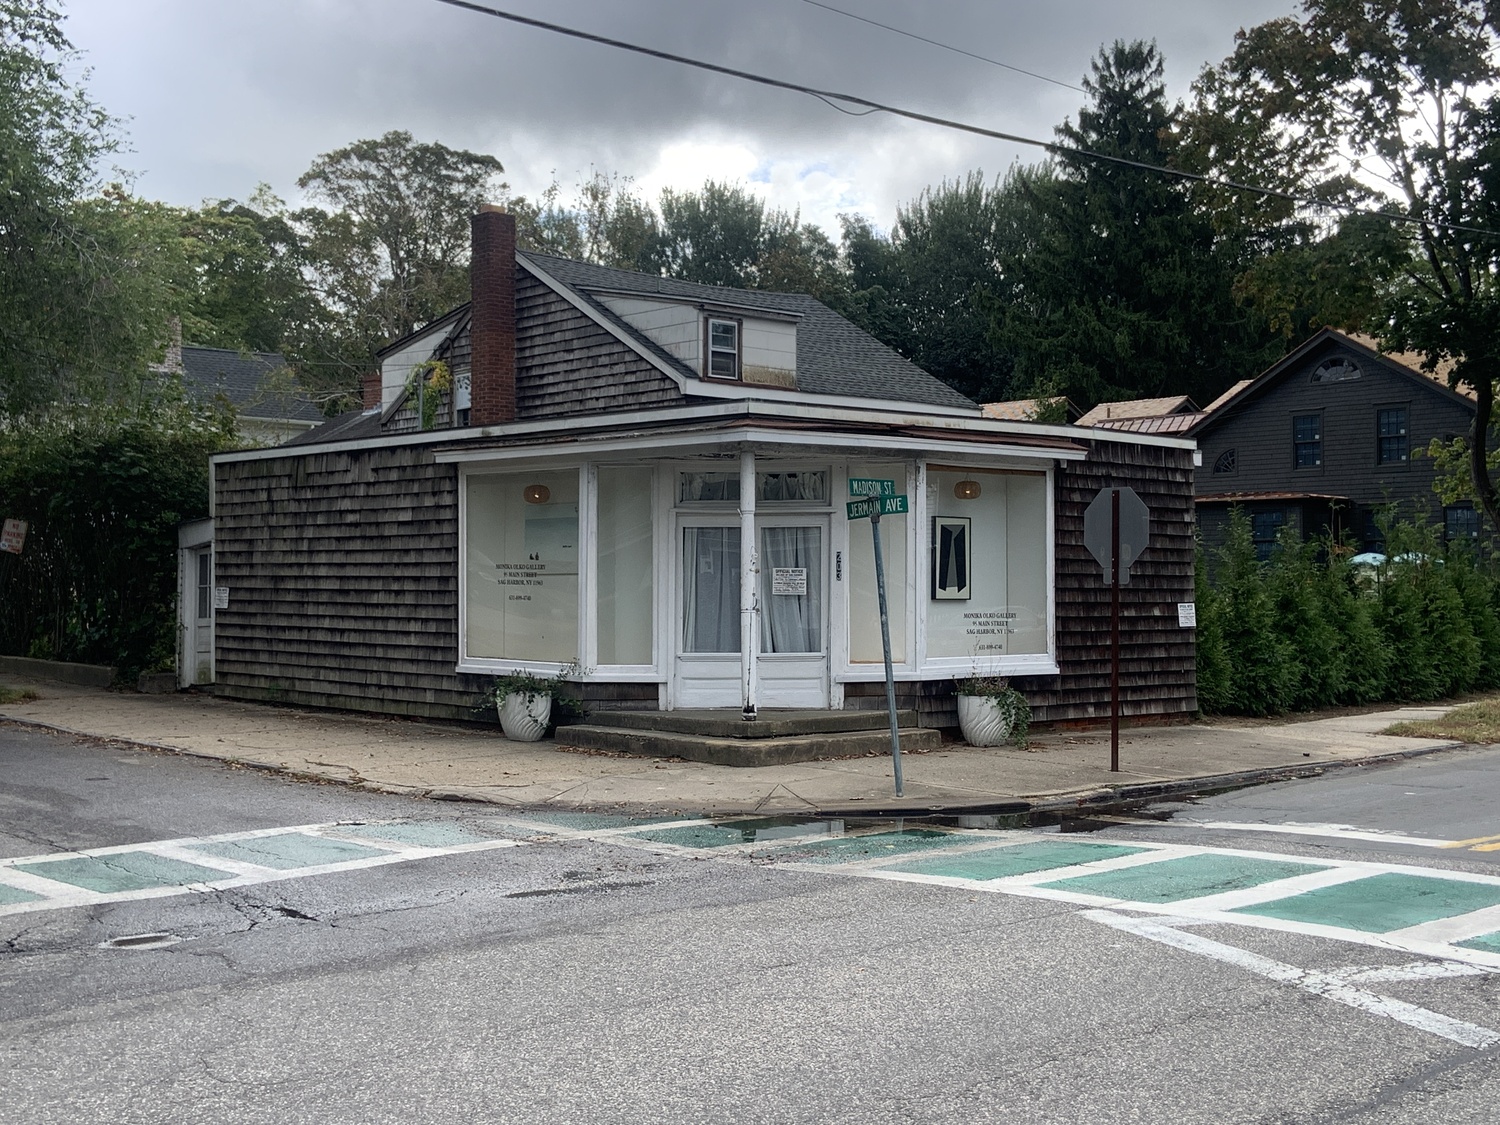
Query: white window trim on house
[735, 353]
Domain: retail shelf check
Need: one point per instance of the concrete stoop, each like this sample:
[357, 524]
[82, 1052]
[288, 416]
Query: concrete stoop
[723, 738]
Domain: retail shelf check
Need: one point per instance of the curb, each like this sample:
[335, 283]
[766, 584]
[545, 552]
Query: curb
[1090, 801]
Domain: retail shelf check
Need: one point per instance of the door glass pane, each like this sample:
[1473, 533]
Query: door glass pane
[711, 589]
[205, 586]
[791, 589]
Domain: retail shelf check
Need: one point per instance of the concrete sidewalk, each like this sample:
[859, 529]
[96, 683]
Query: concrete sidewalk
[450, 761]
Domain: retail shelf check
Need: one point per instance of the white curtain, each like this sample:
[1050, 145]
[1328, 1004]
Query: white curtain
[792, 622]
[711, 589]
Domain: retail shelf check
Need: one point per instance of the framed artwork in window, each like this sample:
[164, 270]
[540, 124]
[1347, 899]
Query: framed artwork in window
[952, 558]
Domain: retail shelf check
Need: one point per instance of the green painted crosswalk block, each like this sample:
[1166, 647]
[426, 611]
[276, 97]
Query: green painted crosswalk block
[287, 851]
[9, 896]
[696, 836]
[430, 834]
[122, 871]
[1193, 876]
[848, 849]
[1018, 859]
[1382, 903]
[1490, 943]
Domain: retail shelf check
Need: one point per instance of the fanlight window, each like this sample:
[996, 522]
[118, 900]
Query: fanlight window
[1340, 369]
[1225, 462]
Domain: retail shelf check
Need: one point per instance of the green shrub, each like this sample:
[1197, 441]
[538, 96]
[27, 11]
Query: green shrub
[103, 491]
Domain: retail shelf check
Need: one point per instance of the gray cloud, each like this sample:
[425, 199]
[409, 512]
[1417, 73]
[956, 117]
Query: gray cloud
[223, 95]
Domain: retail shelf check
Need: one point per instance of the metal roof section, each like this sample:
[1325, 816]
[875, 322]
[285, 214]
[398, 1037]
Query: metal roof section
[1138, 408]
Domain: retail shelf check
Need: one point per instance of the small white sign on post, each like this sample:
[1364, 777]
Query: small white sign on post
[221, 597]
[13, 537]
[789, 580]
[1187, 615]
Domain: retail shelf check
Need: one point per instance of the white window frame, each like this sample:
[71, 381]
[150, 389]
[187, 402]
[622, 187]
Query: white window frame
[709, 351]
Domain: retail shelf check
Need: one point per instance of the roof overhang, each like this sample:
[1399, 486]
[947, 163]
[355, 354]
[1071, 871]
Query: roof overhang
[1257, 497]
[806, 424]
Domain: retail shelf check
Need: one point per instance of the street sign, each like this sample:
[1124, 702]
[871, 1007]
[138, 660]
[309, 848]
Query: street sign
[884, 505]
[1135, 530]
[871, 486]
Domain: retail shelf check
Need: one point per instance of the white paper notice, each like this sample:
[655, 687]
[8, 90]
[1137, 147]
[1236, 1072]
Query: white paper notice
[221, 597]
[788, 580]
[1187, 615]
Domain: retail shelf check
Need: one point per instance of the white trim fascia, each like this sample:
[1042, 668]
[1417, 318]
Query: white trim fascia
[702, 304]
[675, 444]
[795, 405]
[1016, 664]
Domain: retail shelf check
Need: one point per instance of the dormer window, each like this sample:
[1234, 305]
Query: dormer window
[723, 348]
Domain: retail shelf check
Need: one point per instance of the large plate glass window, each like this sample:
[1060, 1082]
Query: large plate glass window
[625, 570]
[992, 597]
[521, 566]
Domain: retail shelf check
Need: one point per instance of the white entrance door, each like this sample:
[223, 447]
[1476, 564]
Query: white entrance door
[708, 626]
[199, 648]
[792, 668]
[793, 663]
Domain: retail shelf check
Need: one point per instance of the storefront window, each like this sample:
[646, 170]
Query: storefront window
[987, 581]
[625, 565]
[864, 604]
[522, 566]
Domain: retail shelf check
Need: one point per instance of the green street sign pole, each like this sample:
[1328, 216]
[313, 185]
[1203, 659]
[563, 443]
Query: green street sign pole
[885, 641]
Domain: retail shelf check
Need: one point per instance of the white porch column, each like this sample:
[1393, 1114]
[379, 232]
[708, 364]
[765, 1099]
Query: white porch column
[749, 585]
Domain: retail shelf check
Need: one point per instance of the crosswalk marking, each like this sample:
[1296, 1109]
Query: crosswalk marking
[380, 846]
[1331, 987]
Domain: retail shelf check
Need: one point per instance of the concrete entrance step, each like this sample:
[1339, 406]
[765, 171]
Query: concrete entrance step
[774, 723]
[720, 751]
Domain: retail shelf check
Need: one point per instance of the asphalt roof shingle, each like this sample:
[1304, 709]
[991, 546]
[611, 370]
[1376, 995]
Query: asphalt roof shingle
[242, 378]
[834, 357]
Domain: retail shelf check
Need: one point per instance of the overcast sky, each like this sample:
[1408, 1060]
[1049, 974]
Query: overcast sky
[221, 95]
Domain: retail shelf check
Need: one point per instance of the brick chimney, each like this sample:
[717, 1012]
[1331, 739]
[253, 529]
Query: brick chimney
[492, 330]
[370, 389]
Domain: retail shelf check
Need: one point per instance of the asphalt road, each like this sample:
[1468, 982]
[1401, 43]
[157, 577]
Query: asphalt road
[493, 969]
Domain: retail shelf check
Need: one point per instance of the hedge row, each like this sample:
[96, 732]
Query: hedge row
[1308, 628]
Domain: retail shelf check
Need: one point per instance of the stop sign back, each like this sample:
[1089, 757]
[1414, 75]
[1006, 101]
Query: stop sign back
[1135, 529]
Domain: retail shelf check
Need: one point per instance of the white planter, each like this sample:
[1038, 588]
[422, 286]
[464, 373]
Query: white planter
[524, 715]
[980, 720]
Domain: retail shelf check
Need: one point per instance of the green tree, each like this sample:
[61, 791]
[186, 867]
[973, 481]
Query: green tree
[82, 283]
[713, 236]
[1126, 291]
[388, 247]
[1383, 102]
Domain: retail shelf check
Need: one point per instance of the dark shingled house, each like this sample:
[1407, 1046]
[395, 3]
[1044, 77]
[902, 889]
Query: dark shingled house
[647, 479]
[1323, 440]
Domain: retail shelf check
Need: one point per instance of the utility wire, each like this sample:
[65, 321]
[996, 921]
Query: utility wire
[1064, 151]
[943, 46]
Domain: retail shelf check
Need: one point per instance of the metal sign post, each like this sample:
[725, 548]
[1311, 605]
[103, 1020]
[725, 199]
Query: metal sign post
[1116, 529]
[881, 499]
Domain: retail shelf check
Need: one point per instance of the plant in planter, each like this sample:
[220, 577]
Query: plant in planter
[991, 711]
[526, 702]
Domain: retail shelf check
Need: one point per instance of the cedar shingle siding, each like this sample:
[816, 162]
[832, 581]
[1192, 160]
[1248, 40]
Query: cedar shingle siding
[343, 577]
[566, 364]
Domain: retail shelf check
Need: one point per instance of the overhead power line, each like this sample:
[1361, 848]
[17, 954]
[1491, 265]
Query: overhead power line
[943, 46]
[1065, 151]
